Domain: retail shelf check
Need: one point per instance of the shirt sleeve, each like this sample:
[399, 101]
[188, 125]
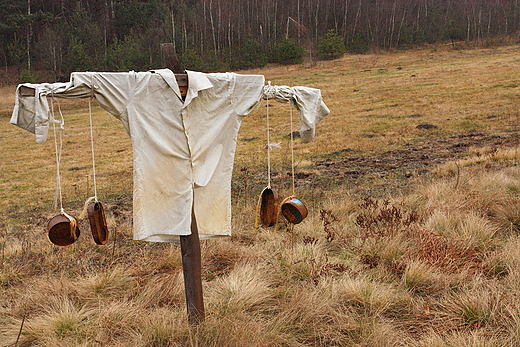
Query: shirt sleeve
[308, 102]
[247, 92]
[31, 110]
[312, 110]
[112, 90]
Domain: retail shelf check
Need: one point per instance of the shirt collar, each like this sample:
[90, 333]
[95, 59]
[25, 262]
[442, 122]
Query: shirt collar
[169, 77]
[197, 81]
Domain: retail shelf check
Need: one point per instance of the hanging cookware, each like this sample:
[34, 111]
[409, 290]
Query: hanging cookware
[98, 224]
[268, 211]
[268, 203]
[293, 210]
[94, 209]
[63, 229]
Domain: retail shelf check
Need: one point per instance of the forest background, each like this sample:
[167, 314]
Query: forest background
[45, 40]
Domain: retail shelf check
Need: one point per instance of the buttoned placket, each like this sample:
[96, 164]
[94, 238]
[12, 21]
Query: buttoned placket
[195, 86]
[184, 115]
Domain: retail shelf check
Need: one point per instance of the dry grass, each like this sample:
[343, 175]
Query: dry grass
[6, 101]
[391, 93]
[434, 265]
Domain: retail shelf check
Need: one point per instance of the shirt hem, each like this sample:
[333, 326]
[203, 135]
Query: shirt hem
[176, 238]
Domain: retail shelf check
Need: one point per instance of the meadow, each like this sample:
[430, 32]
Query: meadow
[412, 239]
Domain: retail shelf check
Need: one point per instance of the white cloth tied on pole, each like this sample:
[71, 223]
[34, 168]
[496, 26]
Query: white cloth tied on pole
[183, 148]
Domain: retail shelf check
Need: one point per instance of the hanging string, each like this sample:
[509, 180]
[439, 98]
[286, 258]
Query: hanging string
[94, 198]
[268, 143]
[58, 150]
[269, 147]
[292, 148]
[92, 148]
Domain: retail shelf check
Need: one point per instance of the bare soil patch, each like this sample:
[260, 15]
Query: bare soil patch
[392, 170]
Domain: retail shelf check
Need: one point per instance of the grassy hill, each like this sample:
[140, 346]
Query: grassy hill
[412, 239]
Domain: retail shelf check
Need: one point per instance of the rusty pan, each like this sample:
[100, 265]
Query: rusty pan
[98, 224]
[269, 207]
[293, 210]
[63, 230]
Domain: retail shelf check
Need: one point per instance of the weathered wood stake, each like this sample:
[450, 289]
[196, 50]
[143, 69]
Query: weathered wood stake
[190, 244]
[169, 58]
[191, 269]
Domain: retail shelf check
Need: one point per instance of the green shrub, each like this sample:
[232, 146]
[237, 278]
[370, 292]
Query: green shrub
[214, 63]
[78, 56]
[453, 32]
[331, 46]
[287, 52]
[253, 55]
[411, 36]
[33, 76]
[191, 60]
[27, 76]
[128, 54]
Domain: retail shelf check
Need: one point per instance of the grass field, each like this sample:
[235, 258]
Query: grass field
[412, 239]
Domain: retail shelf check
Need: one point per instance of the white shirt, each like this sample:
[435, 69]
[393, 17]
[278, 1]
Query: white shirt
[183, 150]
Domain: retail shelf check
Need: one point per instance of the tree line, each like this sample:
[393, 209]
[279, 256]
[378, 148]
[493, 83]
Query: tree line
[210, 35]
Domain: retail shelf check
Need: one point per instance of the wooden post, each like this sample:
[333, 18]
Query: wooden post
[169, 58]
[190, 244]
[191, 269]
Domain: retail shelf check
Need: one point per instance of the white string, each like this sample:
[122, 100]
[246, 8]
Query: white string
[94, 198]
[268, 144]
[58, 194]
[92, 149]
[292, 148]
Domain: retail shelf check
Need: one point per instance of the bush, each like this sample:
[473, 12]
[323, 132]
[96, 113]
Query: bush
[78, 56]
[32, 76]
[287, 52]
[214, 63]
[128, 54]
[331, 46]
[191, 60]
[27, 76]
[453, 32]
[411, 36]
[253, 55]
